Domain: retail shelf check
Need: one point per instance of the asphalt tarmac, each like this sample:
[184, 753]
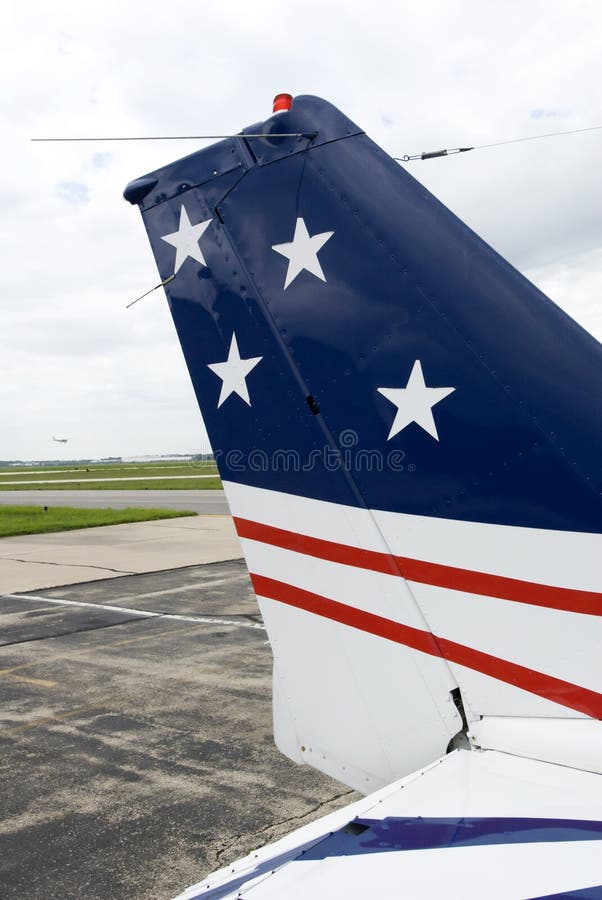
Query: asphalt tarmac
[207, 502]
[136, 750]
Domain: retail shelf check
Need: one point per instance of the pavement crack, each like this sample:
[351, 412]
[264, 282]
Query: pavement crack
[275, 826]
[44, 562]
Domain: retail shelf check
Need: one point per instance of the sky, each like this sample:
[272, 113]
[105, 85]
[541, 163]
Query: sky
[415, 75]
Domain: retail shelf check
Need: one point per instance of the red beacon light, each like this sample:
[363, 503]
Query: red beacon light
[282, 102]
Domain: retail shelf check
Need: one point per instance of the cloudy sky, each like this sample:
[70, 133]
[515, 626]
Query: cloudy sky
[416, 75]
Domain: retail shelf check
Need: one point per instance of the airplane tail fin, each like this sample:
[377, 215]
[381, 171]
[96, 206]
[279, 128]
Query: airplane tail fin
[409, 436]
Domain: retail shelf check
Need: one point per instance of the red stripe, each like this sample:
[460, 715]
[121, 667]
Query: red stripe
[554, 689]
[465, 580]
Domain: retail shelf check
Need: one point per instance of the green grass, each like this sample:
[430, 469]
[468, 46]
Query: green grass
[89, 484]
[16, 520]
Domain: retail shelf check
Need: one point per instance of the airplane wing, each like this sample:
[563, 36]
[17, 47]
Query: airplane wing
[471, 824]
[409, 436]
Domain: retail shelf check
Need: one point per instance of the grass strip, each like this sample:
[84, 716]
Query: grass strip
[15, 520]
[88, 473]
[212, 483]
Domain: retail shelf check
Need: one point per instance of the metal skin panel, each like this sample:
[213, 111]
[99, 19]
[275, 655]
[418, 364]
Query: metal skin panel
[577, 744]
[331, 710]
[519, 439]
[561, 560]
[515, 828]
[332, 678]
[303, 120]
[508, 586]
[208, 168]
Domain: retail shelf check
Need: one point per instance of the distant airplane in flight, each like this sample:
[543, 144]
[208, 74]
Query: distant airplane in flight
[60, 440]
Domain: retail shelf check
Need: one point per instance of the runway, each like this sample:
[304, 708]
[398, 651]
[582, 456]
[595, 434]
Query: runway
[208, 502]
[104, 479]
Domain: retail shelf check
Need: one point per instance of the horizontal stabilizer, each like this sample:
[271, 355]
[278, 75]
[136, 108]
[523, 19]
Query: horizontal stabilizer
[484, 823]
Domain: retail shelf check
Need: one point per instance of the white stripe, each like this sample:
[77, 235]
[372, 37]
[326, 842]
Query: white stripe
[373, 592]
[484, 695]
[551, 641]
[558, 558]
[559, 643]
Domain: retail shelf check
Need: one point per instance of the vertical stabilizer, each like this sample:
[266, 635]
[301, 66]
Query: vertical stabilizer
[409, 435]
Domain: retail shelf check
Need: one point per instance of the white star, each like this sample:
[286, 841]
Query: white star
[302, 252]
[186, 240]
[415, 403]
[233, 373]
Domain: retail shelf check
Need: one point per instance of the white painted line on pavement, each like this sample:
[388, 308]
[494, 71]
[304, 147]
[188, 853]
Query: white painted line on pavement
[143, 613]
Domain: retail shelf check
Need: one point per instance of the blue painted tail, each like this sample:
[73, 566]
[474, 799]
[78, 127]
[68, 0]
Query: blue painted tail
[401, 415]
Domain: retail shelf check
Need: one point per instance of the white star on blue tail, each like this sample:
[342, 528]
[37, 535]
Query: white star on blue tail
[186, 240]
[302, 252]
[234, 373]
[415, 403]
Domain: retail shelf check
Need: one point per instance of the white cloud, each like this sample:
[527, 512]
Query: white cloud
[415, 76]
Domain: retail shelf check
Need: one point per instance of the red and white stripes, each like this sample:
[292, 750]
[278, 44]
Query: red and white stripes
[515, 612]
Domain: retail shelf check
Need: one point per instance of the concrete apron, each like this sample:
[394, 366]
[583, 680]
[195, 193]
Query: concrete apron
[38, 561]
